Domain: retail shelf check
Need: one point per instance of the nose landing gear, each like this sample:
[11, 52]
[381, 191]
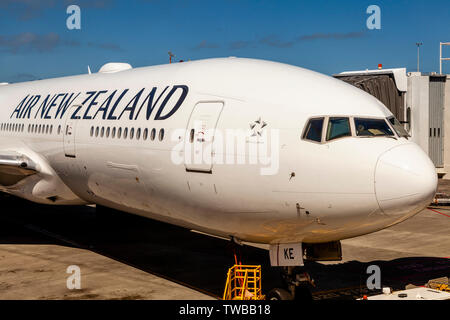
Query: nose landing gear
[297, 285]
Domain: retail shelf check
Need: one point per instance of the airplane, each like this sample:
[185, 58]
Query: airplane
[245, 149]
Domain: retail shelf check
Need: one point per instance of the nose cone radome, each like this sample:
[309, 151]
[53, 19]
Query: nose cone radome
[405, 180]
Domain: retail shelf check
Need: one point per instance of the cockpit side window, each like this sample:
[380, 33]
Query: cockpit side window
[398, 127]
[367, 127]
[313, 130]
[338, 127]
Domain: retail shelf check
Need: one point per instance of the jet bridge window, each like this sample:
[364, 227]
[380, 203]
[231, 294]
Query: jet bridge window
[313, 130]
[338, 127]
[372, 127]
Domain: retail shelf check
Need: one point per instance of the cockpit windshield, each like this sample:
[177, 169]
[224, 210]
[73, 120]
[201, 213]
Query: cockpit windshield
[367, 127]
[322, 129]
[398, 127]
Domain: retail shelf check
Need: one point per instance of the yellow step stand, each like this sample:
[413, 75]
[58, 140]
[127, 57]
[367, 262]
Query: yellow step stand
[243, 283]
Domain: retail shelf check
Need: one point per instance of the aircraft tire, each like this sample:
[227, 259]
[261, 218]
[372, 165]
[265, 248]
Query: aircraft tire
[279, 294]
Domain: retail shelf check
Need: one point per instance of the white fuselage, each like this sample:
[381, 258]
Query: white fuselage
[303, 192]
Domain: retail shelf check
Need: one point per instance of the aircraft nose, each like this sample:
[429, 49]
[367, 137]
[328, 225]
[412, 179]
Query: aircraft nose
[405, 180]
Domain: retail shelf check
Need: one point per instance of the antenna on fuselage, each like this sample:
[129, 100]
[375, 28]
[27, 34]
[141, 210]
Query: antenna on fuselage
[171, 55]
[89, 70]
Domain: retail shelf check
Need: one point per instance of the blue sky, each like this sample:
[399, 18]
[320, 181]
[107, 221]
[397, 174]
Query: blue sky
[325, 36]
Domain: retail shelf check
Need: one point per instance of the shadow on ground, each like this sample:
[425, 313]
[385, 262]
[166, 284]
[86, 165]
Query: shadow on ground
[192, 259]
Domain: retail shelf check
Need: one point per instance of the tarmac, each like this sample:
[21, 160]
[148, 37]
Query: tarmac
[126, 257]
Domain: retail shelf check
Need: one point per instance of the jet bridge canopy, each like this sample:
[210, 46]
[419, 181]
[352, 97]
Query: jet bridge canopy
[389, 86]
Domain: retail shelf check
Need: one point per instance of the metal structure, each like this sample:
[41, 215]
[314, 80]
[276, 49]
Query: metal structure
[440, 55]
[243, 283]
[418, 44]
[383, 85]
[171, 55]
[442, 284]
[436, 119]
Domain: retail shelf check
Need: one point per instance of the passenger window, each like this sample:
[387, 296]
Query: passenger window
[191, 136]
[125, 133]
[153, 134]
[138, 133]
[161, 135]
[145, 134]
[313, 130]
[131, 133]
[337, 128]
[119, 133]
[113, 133]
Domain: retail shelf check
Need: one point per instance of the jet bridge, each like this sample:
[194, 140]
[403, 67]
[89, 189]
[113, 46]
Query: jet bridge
[389, 86]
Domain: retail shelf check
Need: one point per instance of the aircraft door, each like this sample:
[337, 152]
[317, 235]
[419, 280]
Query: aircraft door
[200, 134]
[69, 134]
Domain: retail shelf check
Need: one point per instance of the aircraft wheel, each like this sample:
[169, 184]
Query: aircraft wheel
[279, 294]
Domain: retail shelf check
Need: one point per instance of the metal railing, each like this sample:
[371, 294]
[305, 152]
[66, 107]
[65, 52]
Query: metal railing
[243, 283]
